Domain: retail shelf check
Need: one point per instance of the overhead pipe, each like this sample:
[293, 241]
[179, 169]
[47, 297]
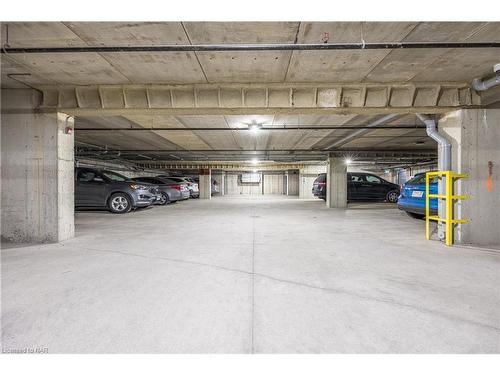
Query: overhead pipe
[274, 128]
[363, 130]
[251, 47]
[484, 84]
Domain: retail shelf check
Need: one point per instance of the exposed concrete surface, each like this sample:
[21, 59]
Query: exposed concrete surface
[398, 65]
[37, 171]
[205, 185]
[475, 138]
[241, 275]
[336, 187]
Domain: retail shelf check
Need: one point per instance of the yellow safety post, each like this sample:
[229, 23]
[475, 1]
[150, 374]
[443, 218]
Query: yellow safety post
[427, 204]
[449, 221]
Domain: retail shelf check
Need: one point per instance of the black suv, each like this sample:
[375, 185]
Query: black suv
[102, 188]
[361, 186]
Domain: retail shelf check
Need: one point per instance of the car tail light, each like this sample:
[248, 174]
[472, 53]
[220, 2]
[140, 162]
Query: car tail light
[176, 187]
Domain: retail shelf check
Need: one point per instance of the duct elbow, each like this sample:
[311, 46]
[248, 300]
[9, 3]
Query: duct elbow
[479, 84]
[443, 143]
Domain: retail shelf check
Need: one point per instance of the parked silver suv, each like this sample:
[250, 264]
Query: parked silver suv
[103, 188]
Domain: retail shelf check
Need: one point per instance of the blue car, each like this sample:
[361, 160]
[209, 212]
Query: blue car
[412, 198]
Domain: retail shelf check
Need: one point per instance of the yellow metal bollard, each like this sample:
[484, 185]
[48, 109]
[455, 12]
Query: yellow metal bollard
[449, 221]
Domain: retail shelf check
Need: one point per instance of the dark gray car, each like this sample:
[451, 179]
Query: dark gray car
[170, 190]
[103, 188]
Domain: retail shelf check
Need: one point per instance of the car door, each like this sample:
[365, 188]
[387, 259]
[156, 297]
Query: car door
[90, 188]
[354, 181]
[373, 188]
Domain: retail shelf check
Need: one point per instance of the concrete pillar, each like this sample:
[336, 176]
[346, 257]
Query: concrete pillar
[222, 186]
[205, 184]
[292, 183]
[37, 171]
[336, 183]
[475, 146]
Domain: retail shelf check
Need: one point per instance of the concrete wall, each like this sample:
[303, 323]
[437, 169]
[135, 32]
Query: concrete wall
[235, 187]
[274, 184]
[205, 184]
[37, 171]
[307, 175]
[475, 139]
[270, 184]
[220, 178]
[401, 175]
[293, 183]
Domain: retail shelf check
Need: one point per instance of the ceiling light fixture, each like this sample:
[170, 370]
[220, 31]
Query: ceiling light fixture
[255, 161]
[348, 161]
[254, 127]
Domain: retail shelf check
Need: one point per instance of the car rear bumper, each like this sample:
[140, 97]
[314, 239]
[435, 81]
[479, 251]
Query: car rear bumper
[319, 193]
[416, 209]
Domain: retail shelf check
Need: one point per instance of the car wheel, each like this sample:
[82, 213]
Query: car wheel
[164, 199]
[415, 216]
[392, 196]
[119, 203]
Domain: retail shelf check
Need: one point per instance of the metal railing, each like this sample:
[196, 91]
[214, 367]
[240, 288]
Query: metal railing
[449, 198]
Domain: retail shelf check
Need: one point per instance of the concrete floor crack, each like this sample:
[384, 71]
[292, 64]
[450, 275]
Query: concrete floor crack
[172, 260]
[381, 300]
[253, 280]
[252, 274]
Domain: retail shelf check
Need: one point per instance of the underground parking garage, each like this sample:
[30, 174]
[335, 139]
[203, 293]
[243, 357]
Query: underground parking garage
[289, 148]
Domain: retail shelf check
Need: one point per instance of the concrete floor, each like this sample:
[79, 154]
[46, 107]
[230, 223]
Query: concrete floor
[243, 275]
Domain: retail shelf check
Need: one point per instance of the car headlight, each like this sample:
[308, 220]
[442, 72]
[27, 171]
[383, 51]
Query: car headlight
[138, 187]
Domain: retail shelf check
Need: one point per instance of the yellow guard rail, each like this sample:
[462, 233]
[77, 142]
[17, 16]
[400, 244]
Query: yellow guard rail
[449, 177]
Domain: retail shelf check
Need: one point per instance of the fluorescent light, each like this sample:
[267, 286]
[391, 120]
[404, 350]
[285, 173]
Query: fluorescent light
[348, 161]
[255, 161]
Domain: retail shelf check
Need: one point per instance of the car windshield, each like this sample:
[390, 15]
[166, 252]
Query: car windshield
[113, 176]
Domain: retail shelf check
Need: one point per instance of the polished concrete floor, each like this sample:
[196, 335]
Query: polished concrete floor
[251, 275]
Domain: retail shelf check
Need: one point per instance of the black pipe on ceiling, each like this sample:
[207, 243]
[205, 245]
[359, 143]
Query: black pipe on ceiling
[347, 127]
[280, 152]
[253, 47]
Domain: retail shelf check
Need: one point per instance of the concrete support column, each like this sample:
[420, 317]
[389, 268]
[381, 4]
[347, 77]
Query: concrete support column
[336, 183]
[205, 184]
[474, 135]
[222, 187]
[37, 171]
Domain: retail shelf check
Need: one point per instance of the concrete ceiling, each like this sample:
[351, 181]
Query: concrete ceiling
[211, 145]
[350, 66]
[246, 66]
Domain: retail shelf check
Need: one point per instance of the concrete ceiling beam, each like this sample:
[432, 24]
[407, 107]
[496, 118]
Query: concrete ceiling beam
[259, 98]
